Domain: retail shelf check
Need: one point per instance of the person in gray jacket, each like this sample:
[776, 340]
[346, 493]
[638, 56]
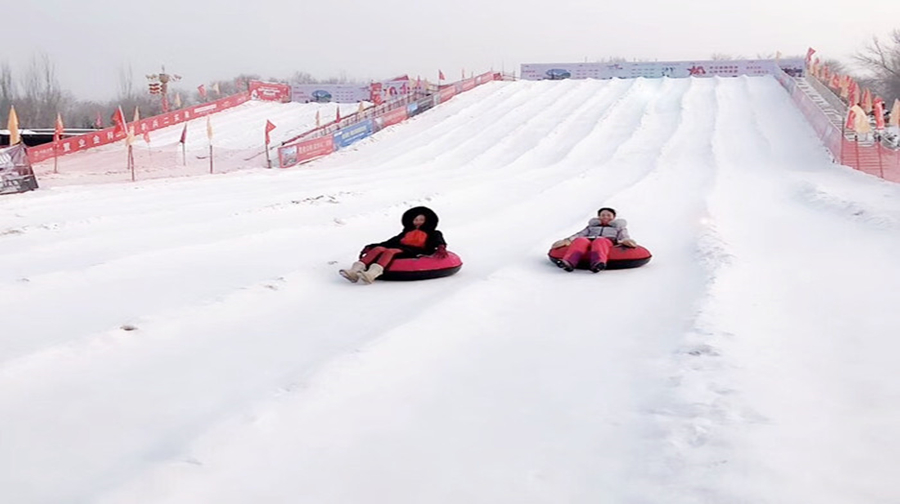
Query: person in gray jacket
[595, 240]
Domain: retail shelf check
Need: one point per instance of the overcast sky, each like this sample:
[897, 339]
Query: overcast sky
[216, 39]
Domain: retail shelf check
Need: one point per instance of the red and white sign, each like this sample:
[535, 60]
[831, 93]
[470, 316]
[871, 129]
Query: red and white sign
[270, 91]
[110, 135]
[467, 85]
[484, 78]
[391, 118]
[447, 92]
[302, 152]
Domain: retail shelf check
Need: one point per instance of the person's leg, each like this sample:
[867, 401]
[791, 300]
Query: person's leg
[576, 251]
[372, 255]
[375, 270]
[600, 253]
[387, 256]
[358, 267]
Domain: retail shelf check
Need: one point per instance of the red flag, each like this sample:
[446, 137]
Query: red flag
[183, 135]
[58, 128]
[118, 119]
[851, 119]
[441, 75]
[809, 54]
[98, 122]
[269, 128]
[878, 107]
[202, 89]
[853, 97]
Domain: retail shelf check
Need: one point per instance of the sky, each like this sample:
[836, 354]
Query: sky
[205, 40]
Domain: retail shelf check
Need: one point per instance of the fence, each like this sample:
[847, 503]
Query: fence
[868, 154]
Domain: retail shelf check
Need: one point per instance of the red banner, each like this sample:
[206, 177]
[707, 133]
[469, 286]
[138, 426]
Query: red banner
[391, 118]
[268, 91]
[446, 93]
[484, 78]
[467, 85]
[305, 151]
[108, 135]
[375, 93]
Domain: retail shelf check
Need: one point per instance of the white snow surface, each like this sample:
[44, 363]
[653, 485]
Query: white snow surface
[751, 361]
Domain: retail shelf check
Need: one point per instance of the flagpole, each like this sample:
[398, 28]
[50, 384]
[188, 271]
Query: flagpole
[131, 161]
[56, 157]
[183, 155]
[268, 160]
[210, 158]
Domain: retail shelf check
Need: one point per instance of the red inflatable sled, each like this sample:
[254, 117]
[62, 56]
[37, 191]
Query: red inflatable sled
[422, 268]
[620, 257]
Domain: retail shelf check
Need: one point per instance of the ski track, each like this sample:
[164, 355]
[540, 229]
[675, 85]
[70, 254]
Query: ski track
[256, 374]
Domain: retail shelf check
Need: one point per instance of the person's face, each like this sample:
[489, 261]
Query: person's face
[419, 221]
[606, 217]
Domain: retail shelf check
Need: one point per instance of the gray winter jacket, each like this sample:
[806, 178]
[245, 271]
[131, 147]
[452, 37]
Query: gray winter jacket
[615, 230]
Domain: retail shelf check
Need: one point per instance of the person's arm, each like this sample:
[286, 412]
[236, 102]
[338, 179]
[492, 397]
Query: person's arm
[439, 244]
[622, 238]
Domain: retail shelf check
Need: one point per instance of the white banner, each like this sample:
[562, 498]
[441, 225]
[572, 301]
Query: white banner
[329, 93]
[348, 93]
[724, 68]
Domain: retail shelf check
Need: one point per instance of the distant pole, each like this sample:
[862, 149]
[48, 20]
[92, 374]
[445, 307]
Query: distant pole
[183, 155]
[131, 161]
[268, 159]
[55, 158]
[210, 158]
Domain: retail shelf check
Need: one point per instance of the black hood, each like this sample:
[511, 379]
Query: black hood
[431, 218]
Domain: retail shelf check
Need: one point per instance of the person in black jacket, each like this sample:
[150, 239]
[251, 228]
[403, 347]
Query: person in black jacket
[419, 237]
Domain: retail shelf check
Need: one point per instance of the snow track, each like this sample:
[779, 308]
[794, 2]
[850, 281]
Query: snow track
[750, 361]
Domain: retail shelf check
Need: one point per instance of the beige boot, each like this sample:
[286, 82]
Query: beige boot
[371, 274]
[352, 274]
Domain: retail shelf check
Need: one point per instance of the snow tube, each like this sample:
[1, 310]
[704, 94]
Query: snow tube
[422, 268]
[619, 257]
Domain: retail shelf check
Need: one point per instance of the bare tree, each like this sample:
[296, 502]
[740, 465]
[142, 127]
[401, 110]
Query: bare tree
[881, 60]
[43, 96]
[7, 91]
[126, 82]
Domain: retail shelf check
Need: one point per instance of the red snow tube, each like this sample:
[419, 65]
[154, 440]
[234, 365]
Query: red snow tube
[619, 257]
[422, 268]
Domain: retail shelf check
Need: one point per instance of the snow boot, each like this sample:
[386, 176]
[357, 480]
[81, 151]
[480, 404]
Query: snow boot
[372, 273]
[600, 266]
[562, 263]
[352, 274]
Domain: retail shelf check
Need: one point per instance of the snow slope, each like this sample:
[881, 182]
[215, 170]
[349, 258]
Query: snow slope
[750, 362]
[238, 140]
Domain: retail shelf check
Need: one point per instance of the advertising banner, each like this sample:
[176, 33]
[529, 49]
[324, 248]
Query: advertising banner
[446, 93]
[676, 69]
[307, 150]
[16, 174]
[329, 93]
[484, 78]
[270, 91]
[391, 118]
[353, 133]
